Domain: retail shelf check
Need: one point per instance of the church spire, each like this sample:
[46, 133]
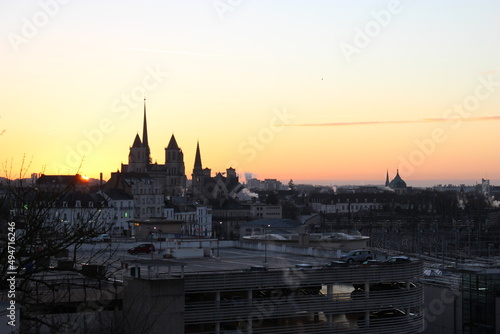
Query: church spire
[197, 159]
[387, 179]
[145, 134]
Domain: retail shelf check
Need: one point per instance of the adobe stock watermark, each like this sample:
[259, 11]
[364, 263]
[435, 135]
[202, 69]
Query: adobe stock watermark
[253, 144]
[222, 7]
[364, 36]
[456, 115]
[278, 299]
[121, 107]
[31, 26]
[438, 305]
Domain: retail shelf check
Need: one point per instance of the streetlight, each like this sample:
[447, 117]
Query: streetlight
[265, 244]
[160, 238]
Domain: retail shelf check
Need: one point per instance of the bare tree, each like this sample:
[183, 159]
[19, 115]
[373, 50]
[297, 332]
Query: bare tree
[32, 237]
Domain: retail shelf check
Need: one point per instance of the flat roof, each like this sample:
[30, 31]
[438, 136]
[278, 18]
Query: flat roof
[229, 259]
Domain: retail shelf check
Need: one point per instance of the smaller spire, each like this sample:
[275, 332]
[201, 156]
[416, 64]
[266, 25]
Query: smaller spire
[387, 182]
[197, 159]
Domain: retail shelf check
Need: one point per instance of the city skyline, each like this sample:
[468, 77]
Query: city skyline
[330, 92]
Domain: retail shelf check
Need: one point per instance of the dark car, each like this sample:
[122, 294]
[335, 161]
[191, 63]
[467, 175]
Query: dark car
[256, 268]
[359, 255]
[397, 260]
[142, 249]
[381, 318]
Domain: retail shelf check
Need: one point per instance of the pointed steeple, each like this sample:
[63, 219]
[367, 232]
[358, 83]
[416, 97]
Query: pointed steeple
[197, 159]
[145, 134]
[172, 144]
[137, 142]
[387, 179]
[145, 127]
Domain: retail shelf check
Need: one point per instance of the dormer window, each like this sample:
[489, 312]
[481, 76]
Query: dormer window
[91, 204]
[65, 204]
[78, 204]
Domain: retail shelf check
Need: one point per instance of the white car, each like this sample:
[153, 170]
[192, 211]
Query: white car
[101, 238]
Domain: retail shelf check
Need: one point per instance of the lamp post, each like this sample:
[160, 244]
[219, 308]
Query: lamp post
[265, 244]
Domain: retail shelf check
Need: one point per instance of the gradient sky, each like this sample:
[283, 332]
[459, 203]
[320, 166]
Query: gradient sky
[261, 84]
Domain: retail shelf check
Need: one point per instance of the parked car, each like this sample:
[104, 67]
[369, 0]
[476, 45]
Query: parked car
[142, 249]
[101, 238]
[397, 260]
[303, 266]
[359, 255]
[256, 268]
[336, 264]
[369, 263]
[380, 318]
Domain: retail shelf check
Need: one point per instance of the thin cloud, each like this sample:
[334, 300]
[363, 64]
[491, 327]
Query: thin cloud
[490, 72]
[183, 53]
[424, 120]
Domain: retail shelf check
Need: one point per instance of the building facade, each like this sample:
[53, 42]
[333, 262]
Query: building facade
[148, 199]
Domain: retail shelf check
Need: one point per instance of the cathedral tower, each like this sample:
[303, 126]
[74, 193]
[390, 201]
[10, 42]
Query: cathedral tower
[139, 155]
[175, 178]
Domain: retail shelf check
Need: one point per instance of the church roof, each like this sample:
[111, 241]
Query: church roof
[197, 159]
[397, 182]
[137, 142]
[172, 144]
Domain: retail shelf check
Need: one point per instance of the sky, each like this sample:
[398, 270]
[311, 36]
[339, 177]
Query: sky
[325, 91]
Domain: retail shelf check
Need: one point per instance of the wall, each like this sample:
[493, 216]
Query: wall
[290, 249]
[443, 310]
[153, 306]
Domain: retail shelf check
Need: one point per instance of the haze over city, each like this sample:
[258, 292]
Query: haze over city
[330, 92]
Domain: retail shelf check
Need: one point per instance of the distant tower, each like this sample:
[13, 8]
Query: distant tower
[387, 182]
[175, 178]
[139, 155]
[197, 169]
[231, 173]
[198, 173]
